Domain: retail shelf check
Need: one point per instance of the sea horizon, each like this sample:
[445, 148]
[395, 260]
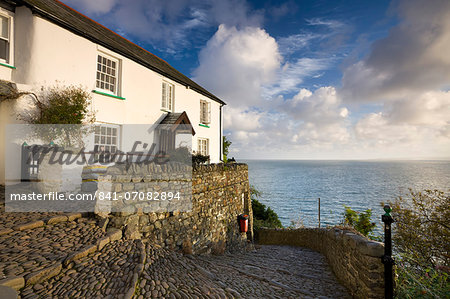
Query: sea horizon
[292, 187]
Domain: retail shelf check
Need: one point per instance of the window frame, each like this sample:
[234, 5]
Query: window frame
[9, 61]
[204, 115]
[117, 76]
[102, 155]
[169, 105]
[200, 147]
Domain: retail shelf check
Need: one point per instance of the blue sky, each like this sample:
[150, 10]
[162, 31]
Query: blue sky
[307, 79]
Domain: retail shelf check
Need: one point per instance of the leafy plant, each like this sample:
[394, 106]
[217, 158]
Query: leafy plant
[199, 159]
[421, 236]
[181, 154]
[67, 110]
[263, 216]
[67, 105]
[226, 143]
[359, 220]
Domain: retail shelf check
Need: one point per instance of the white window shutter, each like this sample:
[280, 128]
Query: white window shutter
[171, 91]
[163, 102]
[209, 112]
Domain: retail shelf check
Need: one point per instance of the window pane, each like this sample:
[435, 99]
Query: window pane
[3, 49]
[4, 28]
[108, 140]
[114, 140]
[108, 130]
[103, 139]
[114, 132]
[97, 138]
[103, 130]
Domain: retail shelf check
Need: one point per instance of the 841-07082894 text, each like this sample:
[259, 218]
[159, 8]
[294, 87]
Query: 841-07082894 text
[135, 195]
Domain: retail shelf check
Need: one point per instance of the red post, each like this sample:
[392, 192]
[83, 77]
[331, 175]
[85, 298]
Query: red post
[243, 223]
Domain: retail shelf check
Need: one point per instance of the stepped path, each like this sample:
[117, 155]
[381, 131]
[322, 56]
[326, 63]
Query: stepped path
[60, 255]
[268, 272]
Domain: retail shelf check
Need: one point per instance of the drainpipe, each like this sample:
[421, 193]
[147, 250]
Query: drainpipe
[220, 133]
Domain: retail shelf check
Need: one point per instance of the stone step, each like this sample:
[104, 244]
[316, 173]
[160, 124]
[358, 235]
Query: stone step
[31, 255]
[112, 272]
[15, 221]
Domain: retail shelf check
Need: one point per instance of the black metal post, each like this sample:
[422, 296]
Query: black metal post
[319, 212]
[387, 259]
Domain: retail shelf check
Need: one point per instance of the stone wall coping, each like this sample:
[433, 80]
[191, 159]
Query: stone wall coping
[220, 167]
[362, 244]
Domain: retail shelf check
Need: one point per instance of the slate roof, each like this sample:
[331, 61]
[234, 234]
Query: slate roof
[176, 121]
[79, 24]
[170, 118]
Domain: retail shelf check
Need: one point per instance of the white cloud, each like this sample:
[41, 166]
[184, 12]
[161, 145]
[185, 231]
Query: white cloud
[332, 24]
[290, 77]
[235, 64]
[93, 7]
[419, 126]
[295, 42]
[169, 25]
[412, 58]
[236, 119]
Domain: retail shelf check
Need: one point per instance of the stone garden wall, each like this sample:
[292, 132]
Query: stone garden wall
[355, 260]
[219, 194]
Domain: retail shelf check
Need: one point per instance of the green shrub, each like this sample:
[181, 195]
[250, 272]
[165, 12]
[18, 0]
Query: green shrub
[67, 109]
[226, 143]
[359, 220]
[181, 154]
[421, 238]
[199, 159]
[263, 216]
[64, 105]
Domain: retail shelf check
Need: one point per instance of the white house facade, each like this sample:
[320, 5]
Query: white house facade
[45, 43]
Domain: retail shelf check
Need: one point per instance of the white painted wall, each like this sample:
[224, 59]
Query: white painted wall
[49, 55]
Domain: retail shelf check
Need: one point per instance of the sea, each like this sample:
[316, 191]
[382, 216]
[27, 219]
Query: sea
[292, 188]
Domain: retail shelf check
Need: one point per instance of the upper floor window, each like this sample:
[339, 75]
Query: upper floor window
[205, 112]
[107, 74]
[5, 38]
[167, 96]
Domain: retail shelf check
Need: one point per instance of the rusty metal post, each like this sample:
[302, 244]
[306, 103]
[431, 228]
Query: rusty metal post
[387, 259]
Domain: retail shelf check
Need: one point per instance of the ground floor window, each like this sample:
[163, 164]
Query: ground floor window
[203, 146]
[106, 141]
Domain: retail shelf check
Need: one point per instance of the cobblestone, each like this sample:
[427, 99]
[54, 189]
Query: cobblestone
[269, 272]
[25, 252]
[105, 274]
[57, 260]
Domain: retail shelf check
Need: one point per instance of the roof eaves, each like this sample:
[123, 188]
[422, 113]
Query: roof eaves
[51, 17]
